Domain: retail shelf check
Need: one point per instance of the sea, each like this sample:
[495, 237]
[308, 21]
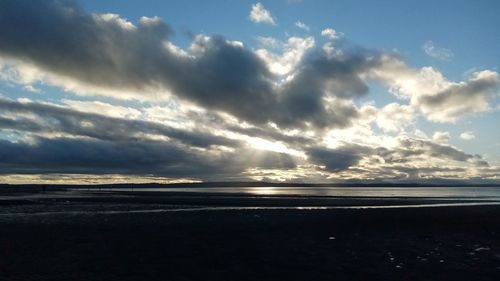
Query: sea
[463, 192]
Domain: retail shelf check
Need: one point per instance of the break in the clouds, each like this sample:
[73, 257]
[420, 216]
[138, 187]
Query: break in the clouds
[259, 14]
[135, 103]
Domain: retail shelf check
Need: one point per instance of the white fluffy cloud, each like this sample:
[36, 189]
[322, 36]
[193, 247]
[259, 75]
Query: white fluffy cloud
[439, 99]
[467, 135]
[462, 98]
[331, 34]
[441, 137]
[259, 14]
[395, 117]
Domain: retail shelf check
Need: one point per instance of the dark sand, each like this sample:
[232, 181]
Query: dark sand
[71, 236]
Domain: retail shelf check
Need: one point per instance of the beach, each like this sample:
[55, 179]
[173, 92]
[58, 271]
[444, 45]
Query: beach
[206, 236]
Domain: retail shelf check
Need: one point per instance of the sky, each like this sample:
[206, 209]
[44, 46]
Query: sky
[225, 90]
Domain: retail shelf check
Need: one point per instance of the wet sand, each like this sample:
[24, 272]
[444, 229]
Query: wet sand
[182, 236]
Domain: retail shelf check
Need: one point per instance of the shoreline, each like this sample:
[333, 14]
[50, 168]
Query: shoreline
[110, 237]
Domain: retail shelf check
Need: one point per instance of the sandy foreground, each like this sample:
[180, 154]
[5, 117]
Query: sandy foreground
[185, 236]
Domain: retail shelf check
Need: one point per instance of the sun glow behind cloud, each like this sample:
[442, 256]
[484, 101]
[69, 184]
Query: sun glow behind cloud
[262, 144]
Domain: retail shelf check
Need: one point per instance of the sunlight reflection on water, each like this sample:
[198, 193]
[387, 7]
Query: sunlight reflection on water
[417, 192]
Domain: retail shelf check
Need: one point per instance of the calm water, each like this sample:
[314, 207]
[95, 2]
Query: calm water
[417, 192]
[431, 197]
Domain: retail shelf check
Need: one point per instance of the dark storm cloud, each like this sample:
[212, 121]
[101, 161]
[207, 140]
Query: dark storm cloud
[57, 119]
[105, 52]
[410, 172]
[459, 93]
[320, 76]
[401, 158]
[115, 145]
[404, 159]
[68, 155]
[104, 145]
[414, 147]
[337, 159]
[61, 37]
[91, 156]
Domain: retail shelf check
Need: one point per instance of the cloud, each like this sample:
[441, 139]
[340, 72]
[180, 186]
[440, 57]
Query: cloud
[269, 42]
[457, 99]
[467, 135]
[102, 108]
[107, 55]
[437, 53]
[68, 155]
[90, 156]
[50, 119]
[219, 109]
[409, 156]
[144, 158]
[409, 147]
[441, 137]
[334, 160]
[259, 14]
[302, 25]
[292, 53]
[395, 117]
[439, 99]
[63, 140]
[331, 34]
[20, 74]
